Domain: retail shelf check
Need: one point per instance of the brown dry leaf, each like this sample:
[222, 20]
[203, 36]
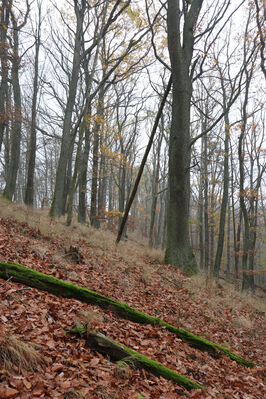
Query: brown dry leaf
[66, 384]
[16, 381]
[27, 384]
[39, 389]
[57, 367]
[7, 393]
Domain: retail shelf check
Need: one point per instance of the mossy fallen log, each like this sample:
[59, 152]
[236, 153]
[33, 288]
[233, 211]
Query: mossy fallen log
[58, 287]
[119, 352]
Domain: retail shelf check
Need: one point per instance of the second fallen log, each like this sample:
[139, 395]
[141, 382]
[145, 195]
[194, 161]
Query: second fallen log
[100, 343]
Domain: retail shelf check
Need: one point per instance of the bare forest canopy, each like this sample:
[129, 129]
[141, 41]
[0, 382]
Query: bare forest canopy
[81, 83]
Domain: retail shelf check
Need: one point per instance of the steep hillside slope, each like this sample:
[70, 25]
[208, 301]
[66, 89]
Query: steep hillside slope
[68, 369]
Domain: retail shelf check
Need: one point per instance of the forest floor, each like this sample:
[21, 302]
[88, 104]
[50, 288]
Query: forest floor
[65, 368]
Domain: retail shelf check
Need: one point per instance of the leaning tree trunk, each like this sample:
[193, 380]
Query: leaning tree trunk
[178, 249]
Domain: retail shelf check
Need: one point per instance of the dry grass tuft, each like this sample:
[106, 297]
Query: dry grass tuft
[244, 322]
[154, 254]
[16, 355]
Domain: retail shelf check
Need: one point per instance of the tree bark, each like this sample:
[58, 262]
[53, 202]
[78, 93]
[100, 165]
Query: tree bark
[178, 250]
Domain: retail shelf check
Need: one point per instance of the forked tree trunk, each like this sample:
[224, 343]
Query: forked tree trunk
[178, 250]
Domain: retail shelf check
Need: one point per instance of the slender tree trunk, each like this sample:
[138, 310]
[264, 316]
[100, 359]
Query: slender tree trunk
[16, 134]
[237, 246]
[212, 223]
[246, 283]
[155, 190]
[4, 23]
[102, 186]
[220, 243]
[228, 241]
[95, 160]
[74, 179]
[29, 193]
[206, 204]
[200, 211]
[58, 203]
[158, 238]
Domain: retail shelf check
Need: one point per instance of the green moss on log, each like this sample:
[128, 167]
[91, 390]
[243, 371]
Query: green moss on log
[58, 287]
[118, 351]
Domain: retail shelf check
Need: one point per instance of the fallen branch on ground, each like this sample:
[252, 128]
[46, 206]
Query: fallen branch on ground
[100, 343]
[58, 287]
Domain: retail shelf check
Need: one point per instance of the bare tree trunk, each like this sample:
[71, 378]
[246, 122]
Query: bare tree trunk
[74, 179]
[178, 250]
[200, 210]
[82, 208]
[220, 243]
[29, 193]
[95, 159]
[58, 203]
[246, 238]
[155, 188]
[4, 23]
[206, 204]
[228, 241]
[16, 134]
[102, 186]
